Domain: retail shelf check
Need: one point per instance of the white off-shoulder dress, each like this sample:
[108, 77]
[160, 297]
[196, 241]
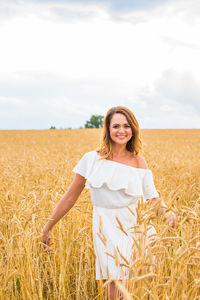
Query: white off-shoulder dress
[114, 187]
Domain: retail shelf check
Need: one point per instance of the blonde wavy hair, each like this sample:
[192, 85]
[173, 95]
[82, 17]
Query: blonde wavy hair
[134, 145]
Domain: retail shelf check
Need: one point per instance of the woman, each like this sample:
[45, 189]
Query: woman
[117, 176]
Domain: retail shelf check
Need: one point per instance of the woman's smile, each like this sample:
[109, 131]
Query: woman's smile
[121, 136]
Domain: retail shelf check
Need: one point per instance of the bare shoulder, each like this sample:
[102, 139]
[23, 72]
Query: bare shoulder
[142, 162]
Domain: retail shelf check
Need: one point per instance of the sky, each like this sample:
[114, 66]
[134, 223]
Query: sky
[62, 61]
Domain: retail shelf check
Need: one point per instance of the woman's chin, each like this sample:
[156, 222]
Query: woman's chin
[120, 142]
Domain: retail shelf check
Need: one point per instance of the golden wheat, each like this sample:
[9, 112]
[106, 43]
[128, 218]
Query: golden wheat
[35, 171]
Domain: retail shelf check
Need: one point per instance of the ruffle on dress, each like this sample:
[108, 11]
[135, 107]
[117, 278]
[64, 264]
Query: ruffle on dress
[116, 176]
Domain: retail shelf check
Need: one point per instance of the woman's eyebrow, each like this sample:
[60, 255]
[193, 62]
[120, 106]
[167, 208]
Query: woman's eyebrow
[119, 124]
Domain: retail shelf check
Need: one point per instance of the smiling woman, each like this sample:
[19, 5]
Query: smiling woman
[117, 178]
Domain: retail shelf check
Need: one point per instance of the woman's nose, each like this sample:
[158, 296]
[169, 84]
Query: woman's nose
[121, 129]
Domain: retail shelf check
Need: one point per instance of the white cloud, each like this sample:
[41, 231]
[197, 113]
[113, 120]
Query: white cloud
[63, 106]
[167, 108]
[182, 88]
[179, 43]
[137, 102]
[10, 100]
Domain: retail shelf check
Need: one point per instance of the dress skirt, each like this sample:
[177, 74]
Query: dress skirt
[113, 232]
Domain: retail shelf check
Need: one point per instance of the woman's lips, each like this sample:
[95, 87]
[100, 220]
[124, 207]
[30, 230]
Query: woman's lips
[121, 136]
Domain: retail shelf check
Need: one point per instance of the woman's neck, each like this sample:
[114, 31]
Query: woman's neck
[119, 150]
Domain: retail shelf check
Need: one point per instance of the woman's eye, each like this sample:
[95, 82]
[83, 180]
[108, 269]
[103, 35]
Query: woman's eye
[125, 126]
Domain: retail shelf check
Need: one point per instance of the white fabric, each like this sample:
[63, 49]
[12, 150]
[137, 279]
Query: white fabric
[113, 187]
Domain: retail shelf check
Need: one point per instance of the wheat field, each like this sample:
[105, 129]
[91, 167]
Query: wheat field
[35, 172]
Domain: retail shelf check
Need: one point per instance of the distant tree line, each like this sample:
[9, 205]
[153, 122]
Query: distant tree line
[95, 121]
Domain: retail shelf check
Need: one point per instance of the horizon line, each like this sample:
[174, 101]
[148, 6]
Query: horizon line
[92, 128]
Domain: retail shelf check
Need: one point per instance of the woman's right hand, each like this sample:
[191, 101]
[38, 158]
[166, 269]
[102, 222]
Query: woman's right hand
[171, 219]
[46, 239]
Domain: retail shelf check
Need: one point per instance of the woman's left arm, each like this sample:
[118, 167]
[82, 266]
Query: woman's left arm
[149, 189]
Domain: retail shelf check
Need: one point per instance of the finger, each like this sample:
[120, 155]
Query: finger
[46, 248]
[46, 244]
[174, 223]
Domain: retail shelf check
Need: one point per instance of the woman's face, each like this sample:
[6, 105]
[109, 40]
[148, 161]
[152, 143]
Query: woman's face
[120, 129]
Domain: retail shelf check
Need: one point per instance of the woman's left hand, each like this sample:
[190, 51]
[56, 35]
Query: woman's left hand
[46, 239]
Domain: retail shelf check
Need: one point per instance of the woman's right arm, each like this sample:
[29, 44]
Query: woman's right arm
[64, 205]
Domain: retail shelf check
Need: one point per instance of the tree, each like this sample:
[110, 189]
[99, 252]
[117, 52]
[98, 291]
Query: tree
[96, 121]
